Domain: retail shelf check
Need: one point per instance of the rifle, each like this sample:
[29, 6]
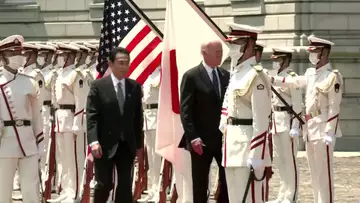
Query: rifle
[291, 110]
[86, 179]
[164, 181]
[268, 170]
[50, 158]
[139, 175]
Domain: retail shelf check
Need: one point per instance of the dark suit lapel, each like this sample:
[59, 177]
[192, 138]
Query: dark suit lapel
[223, 82]
[129, 87]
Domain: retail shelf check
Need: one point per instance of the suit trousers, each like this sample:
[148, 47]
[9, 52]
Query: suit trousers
[200, 165]
[237, 178]
[28, 168]
[123, 160]
[70, 151]
[320, 160]
[154, 160]
[285, 153]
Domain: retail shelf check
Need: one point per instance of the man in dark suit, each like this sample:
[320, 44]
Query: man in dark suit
[114, 127]
[202, 92]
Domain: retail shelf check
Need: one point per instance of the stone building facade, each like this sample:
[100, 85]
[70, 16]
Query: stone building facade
[285, 23]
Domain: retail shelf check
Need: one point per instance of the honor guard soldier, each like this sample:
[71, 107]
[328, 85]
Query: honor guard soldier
[286, 128]
[323, 94]
[30, 52]
[44, 63]
[245, 119]
[70, 103]
[90, 75]
[150, 101]
[21, 136]
[259, 48]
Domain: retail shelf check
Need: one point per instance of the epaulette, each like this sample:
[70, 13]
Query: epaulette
[26, 75]
[37, 70]
[335, 71]
[258, 68]
[292, 73]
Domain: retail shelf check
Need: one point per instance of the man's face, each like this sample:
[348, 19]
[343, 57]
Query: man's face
[213, 54]
[120, 66]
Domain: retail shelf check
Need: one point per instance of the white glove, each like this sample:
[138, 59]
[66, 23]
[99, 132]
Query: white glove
[328, 139]
[294, 132]
[255, 163]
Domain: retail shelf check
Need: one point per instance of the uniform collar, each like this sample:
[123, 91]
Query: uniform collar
[285, 70]
[324, 67]
[30, 68]
[249, 62]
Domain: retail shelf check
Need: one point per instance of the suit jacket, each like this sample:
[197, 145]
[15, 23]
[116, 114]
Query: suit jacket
[106, 124]
[201, 107]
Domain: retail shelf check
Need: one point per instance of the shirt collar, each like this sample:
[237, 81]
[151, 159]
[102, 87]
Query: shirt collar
[207, 67]
[115, 80]
[248, 62]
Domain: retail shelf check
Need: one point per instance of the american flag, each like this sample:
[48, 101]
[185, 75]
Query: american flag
[125, 25]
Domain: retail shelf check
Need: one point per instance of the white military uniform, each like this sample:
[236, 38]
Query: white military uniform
[150, 102]
[322, 100]
[245, 118]
[285, 146]
[21, 137]
[70, 101]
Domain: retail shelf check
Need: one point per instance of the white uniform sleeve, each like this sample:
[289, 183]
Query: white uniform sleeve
[334, 96]
[36, 121]
[261, 109]
[79, 99]
[291, 82]
[296, 102]
[224, 109]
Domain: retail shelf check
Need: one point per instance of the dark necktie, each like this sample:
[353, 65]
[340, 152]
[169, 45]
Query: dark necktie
[215, 82]
[120, 97]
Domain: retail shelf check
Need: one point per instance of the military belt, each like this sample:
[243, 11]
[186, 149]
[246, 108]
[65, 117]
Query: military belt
[47, 103]
[67, 106]
[17, 123]
[312, 114]
[151, 106]
[281, 108]
[239, 121]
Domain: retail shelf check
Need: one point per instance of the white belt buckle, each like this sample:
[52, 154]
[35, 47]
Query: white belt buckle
[19, 123]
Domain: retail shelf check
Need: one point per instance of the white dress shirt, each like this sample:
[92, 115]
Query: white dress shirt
[116, 81]
[209, 72]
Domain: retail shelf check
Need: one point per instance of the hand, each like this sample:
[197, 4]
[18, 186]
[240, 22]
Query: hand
[96, 150]
[294, 133]
[328, 139]
[255, 163]
[197, 146]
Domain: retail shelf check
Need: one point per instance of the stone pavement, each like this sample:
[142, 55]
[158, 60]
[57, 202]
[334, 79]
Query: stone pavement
[347, 178]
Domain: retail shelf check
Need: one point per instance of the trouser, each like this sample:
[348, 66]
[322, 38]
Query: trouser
[320, 159]
[237, 179]
[28, 168]
[104, 167]
[154, 160]
[58, 174]
[200, 165]
[184, 182]
[285, 152]
[71, 154]
[47, 131]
